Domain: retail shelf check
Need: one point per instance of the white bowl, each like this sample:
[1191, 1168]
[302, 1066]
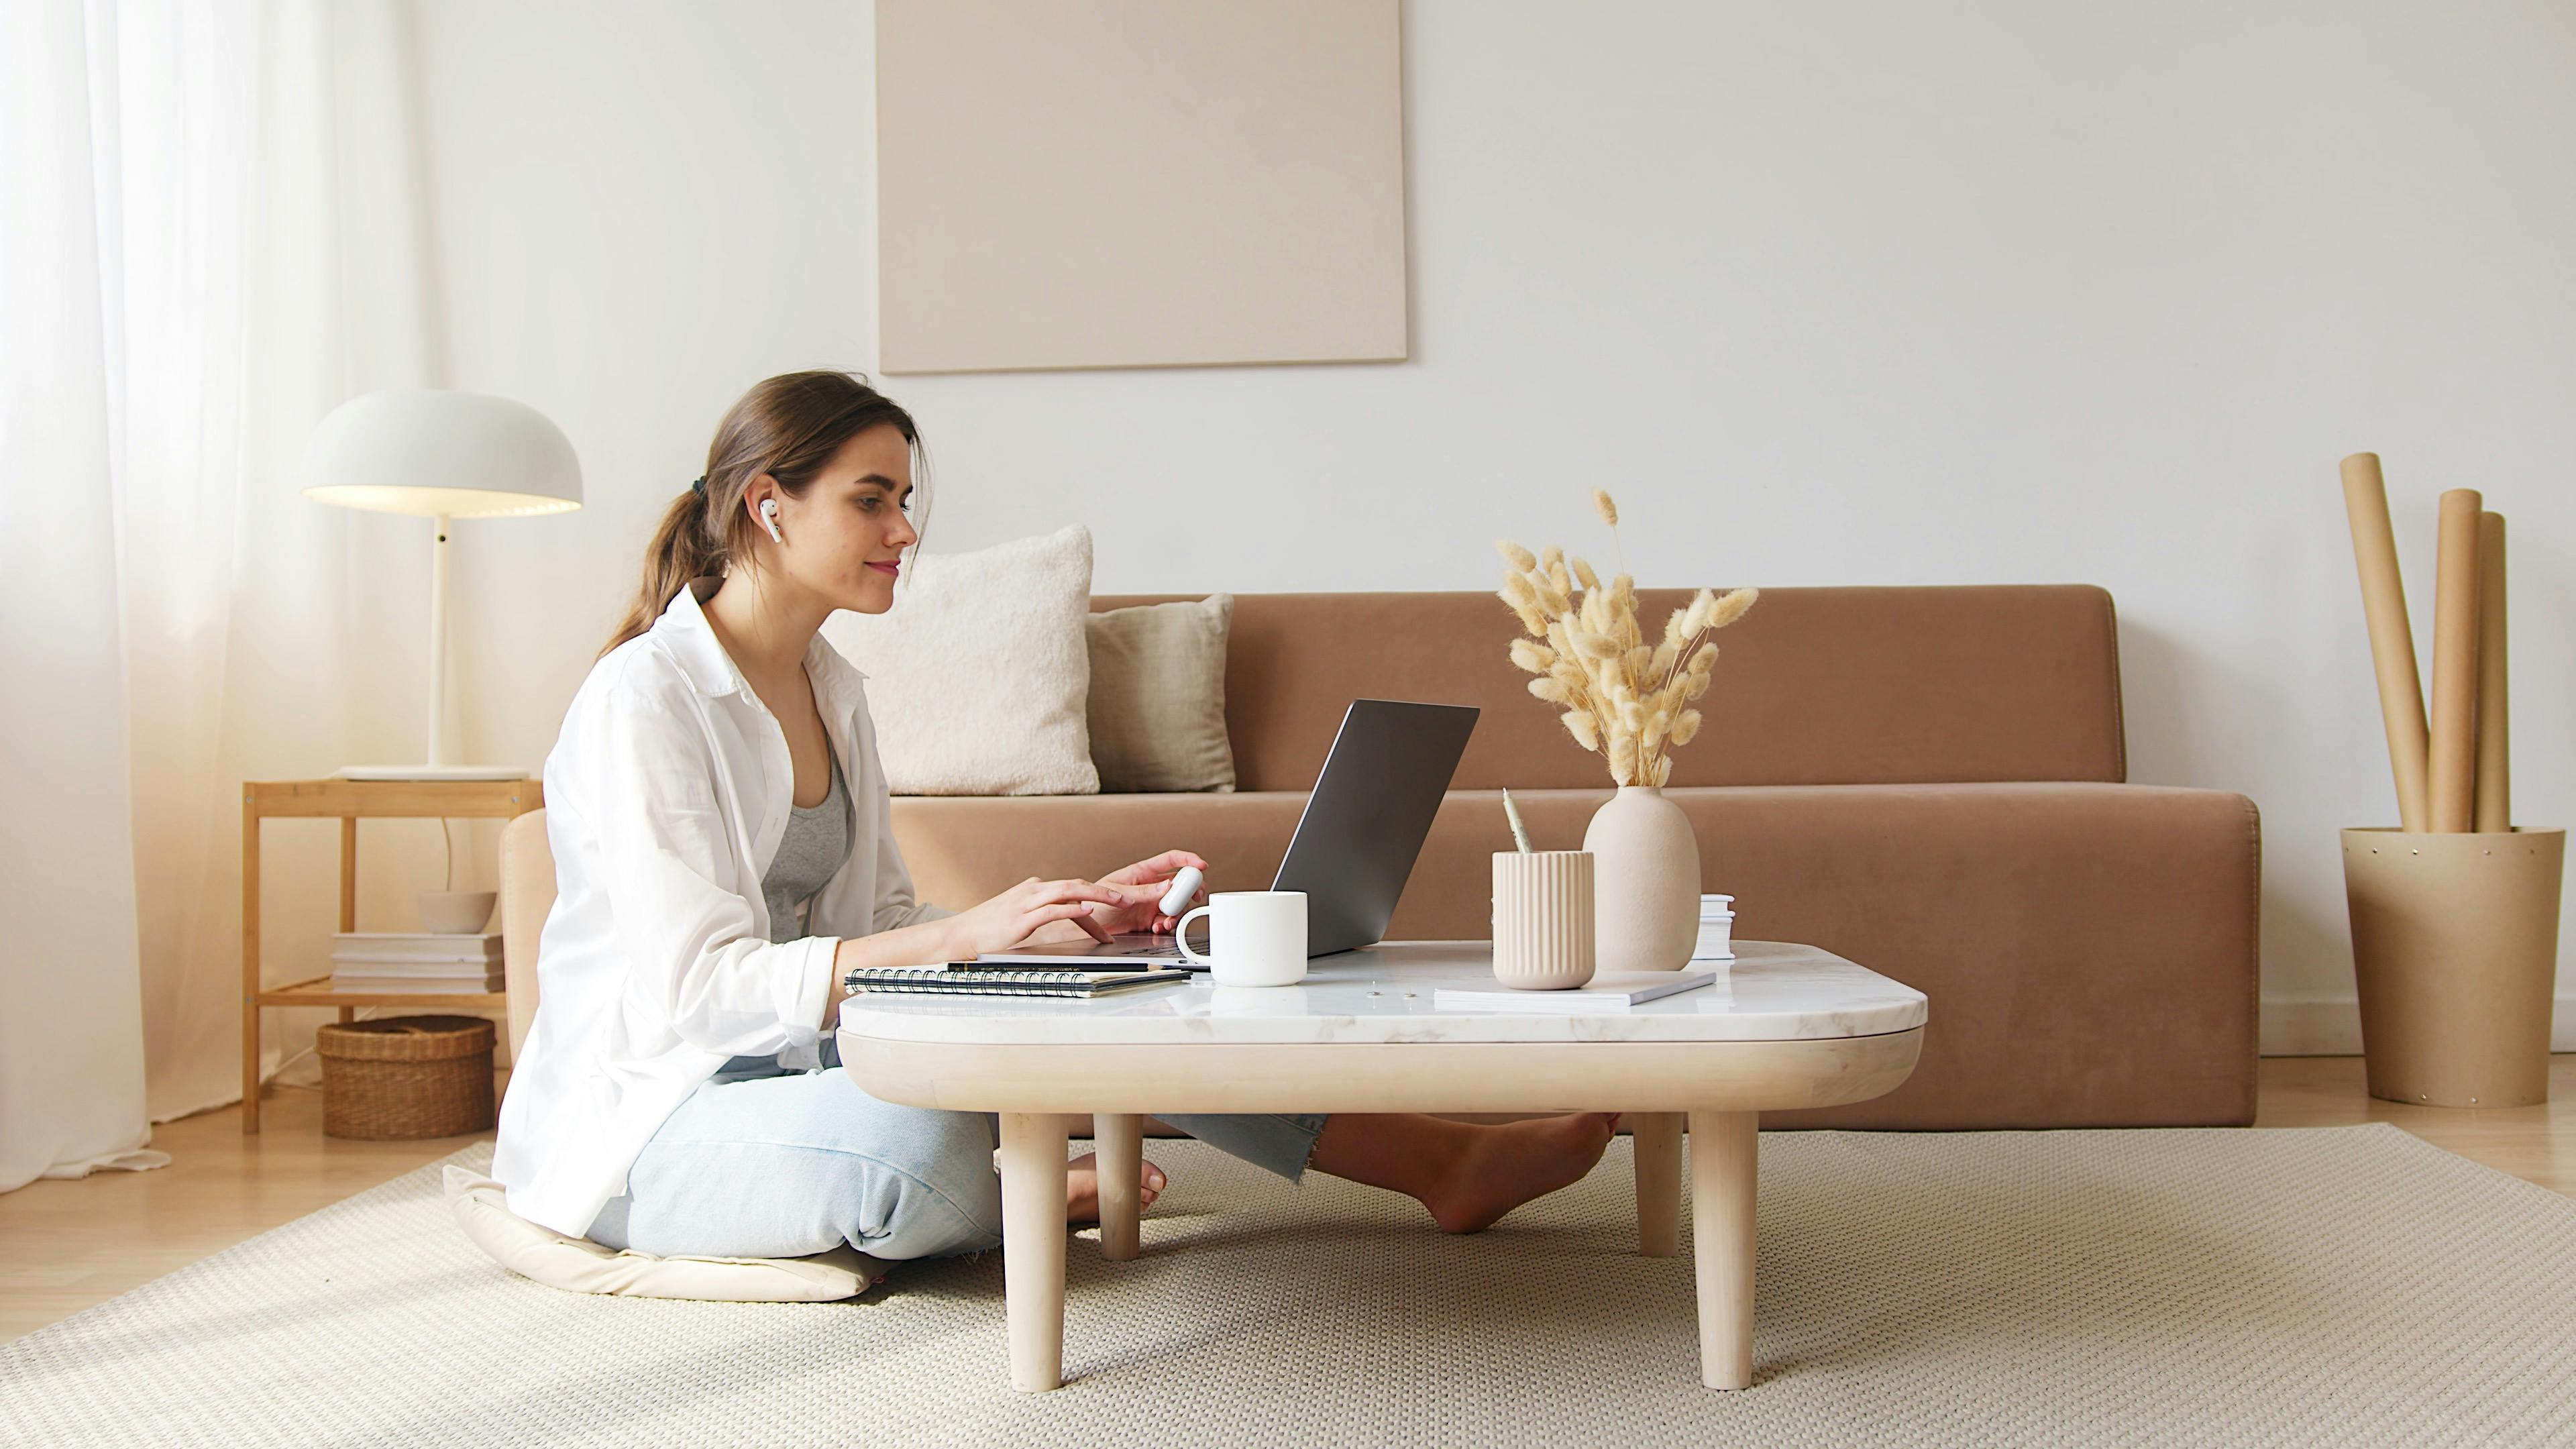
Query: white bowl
[457, 913]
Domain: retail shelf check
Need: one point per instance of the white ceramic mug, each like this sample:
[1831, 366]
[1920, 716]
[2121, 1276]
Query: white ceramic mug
[1255, 938]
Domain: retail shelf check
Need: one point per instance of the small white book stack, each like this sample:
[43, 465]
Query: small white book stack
[417, 961]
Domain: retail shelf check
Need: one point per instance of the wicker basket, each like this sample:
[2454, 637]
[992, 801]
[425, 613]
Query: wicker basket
[406, 1076]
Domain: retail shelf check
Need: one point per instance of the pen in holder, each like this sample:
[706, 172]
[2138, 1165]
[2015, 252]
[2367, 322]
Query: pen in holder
[1543, 919]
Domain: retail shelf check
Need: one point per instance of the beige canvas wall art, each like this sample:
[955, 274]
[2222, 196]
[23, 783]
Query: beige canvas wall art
[1138, 183]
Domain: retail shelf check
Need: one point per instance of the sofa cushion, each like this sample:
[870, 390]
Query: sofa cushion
[1157, 704]
[2089, 949]
[978, 675]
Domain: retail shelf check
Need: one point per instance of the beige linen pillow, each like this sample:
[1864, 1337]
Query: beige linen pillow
[1158, 696]
[578, 1265]
[977, 676]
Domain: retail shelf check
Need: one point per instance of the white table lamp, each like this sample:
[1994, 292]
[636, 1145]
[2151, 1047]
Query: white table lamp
[440, 455]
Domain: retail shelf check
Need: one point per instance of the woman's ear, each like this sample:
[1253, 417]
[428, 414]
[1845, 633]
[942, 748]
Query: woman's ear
[762, 487]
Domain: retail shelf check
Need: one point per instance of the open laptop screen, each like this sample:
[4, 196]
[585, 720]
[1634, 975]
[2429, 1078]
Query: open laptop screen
[1371, 810]
[1361, 832]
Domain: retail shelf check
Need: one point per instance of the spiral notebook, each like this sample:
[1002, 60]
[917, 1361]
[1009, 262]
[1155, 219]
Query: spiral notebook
[962, 979]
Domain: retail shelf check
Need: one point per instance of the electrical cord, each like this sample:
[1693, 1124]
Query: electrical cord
[270, 1078]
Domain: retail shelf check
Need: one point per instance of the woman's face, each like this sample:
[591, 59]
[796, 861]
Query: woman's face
[845, 538]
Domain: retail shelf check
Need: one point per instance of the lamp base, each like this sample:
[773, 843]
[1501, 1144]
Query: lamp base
[430, 772]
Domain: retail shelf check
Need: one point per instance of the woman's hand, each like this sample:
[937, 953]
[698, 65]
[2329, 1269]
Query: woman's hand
[1142, 886]
[1016, 914]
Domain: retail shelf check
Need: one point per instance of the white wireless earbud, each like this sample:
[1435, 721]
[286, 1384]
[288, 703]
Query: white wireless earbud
[769, 515]
[1185, 888]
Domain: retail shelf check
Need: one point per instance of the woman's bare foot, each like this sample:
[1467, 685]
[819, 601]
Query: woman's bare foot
[1082, 1188]
[1467, 1175]
[1505, 1166]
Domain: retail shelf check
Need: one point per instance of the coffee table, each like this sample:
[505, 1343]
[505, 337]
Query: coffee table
[1786, 1026]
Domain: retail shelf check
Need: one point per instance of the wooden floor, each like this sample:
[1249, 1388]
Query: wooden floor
[67, 1245]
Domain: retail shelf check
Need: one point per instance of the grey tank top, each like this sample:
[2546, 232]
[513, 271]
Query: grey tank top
[809, 855]
[812, 851]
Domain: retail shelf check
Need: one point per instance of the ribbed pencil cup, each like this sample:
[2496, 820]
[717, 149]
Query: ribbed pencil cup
[1543, 919]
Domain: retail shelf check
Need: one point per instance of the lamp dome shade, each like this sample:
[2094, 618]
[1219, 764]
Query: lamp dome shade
[428, 452]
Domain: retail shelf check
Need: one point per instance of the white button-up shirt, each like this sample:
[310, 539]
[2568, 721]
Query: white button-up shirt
[666, 796]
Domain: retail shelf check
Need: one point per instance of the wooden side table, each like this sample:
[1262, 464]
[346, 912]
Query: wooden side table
[350, 801]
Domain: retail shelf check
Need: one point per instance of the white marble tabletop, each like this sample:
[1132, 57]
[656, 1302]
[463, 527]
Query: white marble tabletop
[1772, 991]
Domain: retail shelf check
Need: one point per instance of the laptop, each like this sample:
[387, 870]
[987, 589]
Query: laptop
[1355, 845]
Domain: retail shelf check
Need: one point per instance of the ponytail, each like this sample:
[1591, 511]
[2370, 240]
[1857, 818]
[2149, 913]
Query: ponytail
[788, 427]
[681, 550]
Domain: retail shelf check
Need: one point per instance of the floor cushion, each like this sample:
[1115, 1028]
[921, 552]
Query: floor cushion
[578, 1265]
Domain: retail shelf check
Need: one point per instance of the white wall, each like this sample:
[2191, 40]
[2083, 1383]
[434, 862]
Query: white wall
[1858, 293]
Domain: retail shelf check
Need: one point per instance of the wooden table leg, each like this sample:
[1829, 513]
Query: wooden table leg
[349, 889]
[349, 872]
[250, 966]
[1119, 1139]
[1033, 1246]
[1658, 1140]
[1725, 1153]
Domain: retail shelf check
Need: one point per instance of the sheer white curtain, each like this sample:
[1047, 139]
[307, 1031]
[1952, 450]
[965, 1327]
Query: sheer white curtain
[211, 236]
[71, 1059]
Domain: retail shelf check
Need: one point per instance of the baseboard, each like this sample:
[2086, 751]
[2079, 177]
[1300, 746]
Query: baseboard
[2330, 1026]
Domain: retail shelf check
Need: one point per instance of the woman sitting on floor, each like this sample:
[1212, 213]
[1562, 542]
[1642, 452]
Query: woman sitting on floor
[722, 844]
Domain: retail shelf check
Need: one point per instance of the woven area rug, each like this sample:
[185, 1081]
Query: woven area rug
[2200, 1287]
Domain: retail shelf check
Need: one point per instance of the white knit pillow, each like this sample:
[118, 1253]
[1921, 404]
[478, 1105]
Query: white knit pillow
[978, 676]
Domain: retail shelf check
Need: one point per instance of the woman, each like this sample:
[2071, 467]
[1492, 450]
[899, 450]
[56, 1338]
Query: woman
[723, 854]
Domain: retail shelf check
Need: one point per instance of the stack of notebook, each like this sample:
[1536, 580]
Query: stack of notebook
[420, 961]
[976, 978]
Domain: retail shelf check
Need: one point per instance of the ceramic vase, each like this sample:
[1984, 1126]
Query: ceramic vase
[1645, 882]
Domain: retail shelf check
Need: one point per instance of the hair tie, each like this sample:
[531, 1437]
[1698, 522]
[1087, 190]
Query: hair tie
[699, 487]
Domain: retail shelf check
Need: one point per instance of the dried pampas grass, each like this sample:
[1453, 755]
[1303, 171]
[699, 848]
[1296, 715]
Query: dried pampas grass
[1621, 694]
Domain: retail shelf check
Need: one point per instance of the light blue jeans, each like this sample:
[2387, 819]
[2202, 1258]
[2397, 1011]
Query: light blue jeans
[765, 1162]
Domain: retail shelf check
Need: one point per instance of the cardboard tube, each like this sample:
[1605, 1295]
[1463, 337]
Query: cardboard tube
[2453, 755]
[2392, 640]
[2495, 742]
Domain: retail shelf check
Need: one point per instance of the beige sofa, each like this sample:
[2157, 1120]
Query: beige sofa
[1929, 781]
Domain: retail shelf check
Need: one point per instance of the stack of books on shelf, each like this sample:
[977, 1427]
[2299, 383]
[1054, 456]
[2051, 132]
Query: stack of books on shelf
[416, 961]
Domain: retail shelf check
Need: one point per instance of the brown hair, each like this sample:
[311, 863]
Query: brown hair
[787, 427]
